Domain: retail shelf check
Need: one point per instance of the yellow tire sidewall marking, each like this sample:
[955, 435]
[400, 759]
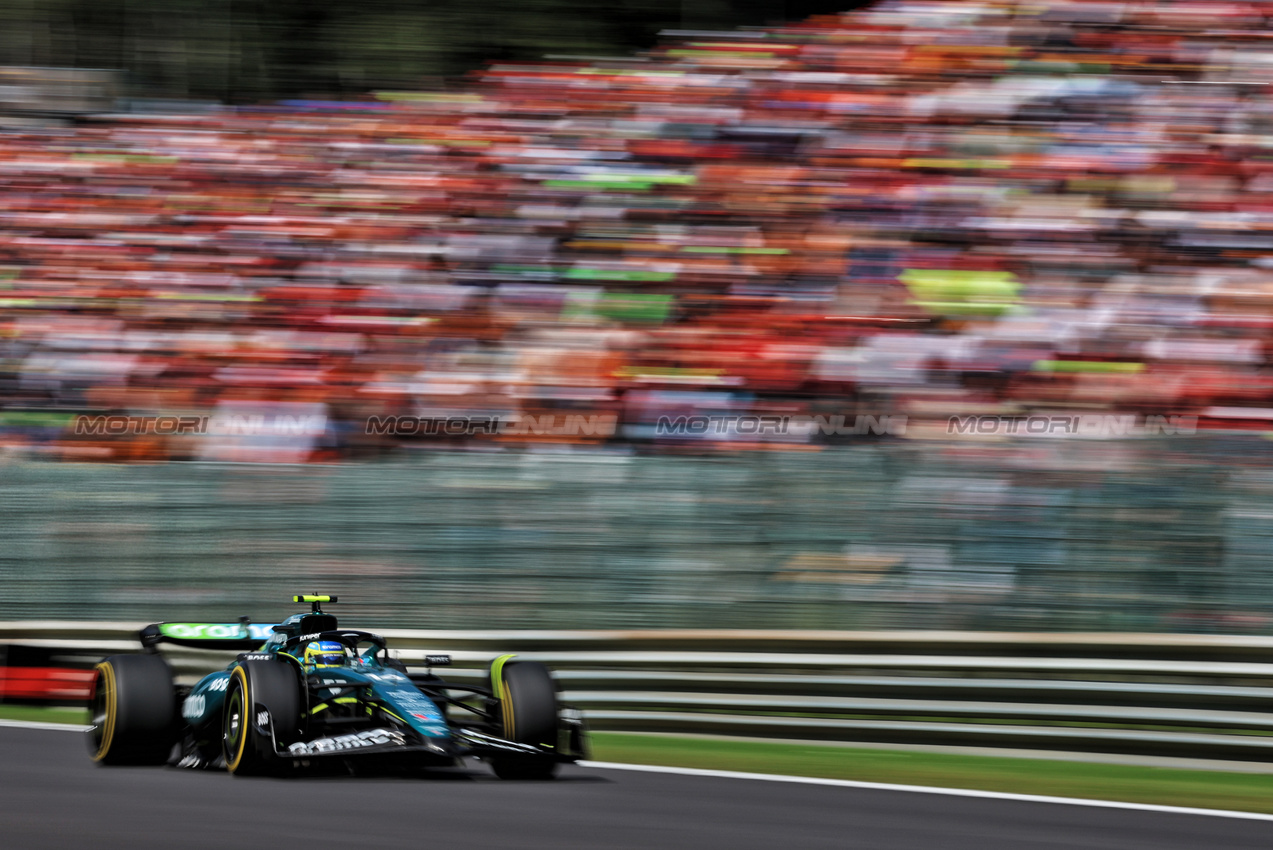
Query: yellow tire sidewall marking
[509, 731]
[107, 674]
[503, 694]
[232, 764]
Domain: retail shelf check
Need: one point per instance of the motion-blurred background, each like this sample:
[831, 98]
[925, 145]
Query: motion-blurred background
[870, 250]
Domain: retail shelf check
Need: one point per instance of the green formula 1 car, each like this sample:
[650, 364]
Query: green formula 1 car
[306, 690]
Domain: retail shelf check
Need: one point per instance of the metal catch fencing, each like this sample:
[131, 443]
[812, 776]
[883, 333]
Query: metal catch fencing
[1169, 534]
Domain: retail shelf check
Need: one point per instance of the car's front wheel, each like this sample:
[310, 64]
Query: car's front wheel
[262, 713]
[528, 712]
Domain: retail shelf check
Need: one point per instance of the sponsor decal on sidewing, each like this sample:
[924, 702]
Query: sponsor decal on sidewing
[353, 741]
[418, 705]
[194, 706]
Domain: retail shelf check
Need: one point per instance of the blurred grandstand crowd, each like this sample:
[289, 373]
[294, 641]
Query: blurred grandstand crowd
[923, 208]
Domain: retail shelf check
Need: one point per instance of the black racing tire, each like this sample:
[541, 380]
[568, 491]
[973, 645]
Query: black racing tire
[528, 715]
[134, 711]
[258, 687]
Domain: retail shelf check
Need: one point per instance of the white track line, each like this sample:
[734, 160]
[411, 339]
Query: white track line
[838, 783]
[926, 789]
[36, 724]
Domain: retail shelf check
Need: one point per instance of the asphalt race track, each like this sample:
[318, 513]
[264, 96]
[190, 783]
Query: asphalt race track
[55, 797]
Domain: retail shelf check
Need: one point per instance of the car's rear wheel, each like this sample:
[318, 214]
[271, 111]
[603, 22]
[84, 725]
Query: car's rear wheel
[528, 715]
[133, 711]
[263, 705]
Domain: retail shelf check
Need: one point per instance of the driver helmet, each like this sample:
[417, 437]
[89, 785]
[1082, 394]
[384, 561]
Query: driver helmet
[324, 653]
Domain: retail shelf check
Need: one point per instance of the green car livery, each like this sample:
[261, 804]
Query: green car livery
[307, 690]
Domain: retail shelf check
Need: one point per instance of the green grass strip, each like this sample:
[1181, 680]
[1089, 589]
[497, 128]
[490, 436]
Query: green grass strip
[42, 714]
[1251, 792]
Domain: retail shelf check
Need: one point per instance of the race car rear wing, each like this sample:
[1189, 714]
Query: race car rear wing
[243, 635]
[238, 636]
